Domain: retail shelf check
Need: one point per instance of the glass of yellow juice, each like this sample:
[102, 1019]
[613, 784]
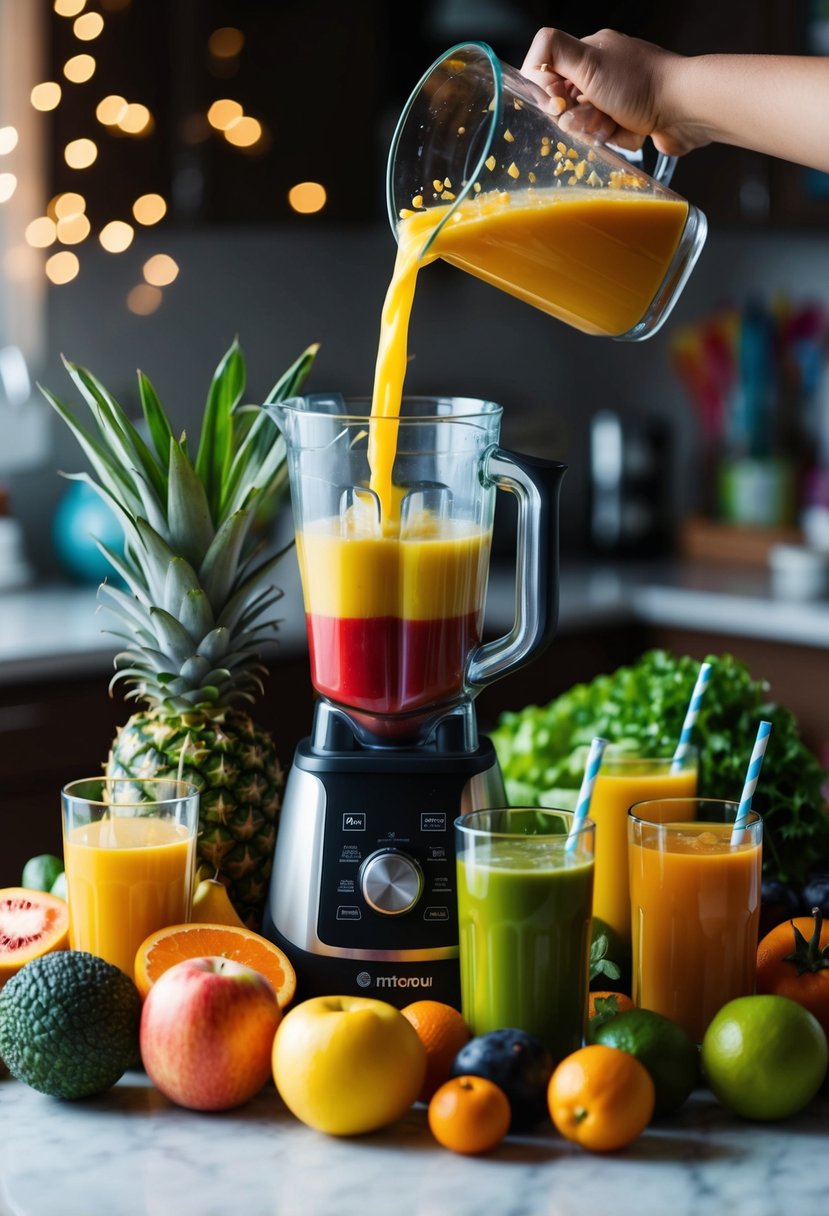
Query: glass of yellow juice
[129, 850]
[625, 778]
[695, 886]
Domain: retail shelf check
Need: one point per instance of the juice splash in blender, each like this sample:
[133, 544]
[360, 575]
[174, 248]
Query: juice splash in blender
[363, 890]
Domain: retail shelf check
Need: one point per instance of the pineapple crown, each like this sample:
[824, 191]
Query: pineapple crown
[199, 579]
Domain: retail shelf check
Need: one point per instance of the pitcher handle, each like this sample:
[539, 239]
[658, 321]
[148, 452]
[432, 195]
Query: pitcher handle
[536, 484]
[663, 170]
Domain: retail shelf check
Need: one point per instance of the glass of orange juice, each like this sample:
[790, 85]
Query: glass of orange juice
[129, 849]
[623, 779]
[695, 907]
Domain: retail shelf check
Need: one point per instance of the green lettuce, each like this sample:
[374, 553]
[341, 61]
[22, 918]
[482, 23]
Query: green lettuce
[542, 749]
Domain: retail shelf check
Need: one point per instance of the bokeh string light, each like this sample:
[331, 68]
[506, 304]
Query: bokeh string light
[66, 221]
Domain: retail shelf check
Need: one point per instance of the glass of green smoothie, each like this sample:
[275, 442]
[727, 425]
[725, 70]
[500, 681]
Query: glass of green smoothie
[524, 908]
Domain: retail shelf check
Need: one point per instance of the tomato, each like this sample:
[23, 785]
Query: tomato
[793, 961]
[469, 1115]
[601, 1098]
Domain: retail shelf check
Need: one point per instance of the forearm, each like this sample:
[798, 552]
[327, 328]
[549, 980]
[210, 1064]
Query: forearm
[754, 101]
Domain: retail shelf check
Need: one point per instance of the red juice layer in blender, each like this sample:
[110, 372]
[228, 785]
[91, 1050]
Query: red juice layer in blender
[391, 622]
[386, 665]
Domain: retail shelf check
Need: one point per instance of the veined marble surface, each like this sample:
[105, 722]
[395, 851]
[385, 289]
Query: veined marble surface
[132, 1153]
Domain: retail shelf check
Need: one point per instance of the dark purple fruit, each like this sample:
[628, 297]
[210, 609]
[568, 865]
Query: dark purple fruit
[779, 902]
[816, 893]
[518, 1063]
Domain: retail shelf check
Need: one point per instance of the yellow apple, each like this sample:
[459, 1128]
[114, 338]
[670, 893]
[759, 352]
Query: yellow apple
[347, 1064]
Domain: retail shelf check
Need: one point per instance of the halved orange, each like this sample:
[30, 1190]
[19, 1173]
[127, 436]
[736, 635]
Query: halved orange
[175, 943]
[31, 923]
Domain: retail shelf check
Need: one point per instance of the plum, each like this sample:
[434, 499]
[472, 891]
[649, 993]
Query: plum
[779, 902]
[816, 892]
[518, 1063]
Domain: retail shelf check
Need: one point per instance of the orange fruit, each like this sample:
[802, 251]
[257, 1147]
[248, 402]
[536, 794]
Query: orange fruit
[171, 945]
[443, 1032]
[469, 1115]
[31, 923]
[601, 1098]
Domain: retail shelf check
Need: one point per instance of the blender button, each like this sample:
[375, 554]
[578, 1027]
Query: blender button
[346, 912]
[436, 913]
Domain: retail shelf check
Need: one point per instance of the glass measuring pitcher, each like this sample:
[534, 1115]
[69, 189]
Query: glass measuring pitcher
[394, 608]
[481, 175]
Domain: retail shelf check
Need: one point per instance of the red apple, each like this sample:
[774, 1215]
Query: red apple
[207, 1030]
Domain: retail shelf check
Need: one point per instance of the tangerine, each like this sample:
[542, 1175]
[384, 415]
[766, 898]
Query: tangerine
[601, 1098]
[443, 1032]
[469, 1115]
[166, 947]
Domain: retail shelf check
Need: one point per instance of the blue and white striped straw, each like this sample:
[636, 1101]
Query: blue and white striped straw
[591, 770]
[752, 775]
[691, 716]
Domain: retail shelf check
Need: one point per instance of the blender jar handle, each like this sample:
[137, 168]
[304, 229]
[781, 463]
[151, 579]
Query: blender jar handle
[536, 484]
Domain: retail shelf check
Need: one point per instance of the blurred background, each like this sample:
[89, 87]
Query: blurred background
[177, 172]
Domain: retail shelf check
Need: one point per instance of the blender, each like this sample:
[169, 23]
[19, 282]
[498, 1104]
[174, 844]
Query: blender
[362, 896]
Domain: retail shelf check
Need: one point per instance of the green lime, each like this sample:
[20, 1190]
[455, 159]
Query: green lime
[765, 1057]
[39, 873]
[69, 1024]
[58, 887]
[664, 1048]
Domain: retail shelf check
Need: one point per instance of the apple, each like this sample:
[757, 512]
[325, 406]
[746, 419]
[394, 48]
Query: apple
[347, 1064]
[207, 1030]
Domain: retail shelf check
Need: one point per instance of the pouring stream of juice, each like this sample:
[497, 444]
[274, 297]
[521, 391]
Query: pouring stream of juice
[592, 258]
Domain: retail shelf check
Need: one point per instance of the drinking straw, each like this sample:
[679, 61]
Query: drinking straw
[754, 766]
[691, 716]
[591, 769]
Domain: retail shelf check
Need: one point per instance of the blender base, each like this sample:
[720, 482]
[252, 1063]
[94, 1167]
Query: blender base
[363, 896]
[399, 983]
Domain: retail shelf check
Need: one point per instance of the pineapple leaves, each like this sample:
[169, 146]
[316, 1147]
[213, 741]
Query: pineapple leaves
[215, 453]
[157, 422]
[259, 459]
[173, 638]
[291, 381]
[121, 435]
[109, 470]
[217, 572]
[189, 527]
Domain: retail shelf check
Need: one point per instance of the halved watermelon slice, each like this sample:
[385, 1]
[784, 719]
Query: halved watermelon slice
[31, 923]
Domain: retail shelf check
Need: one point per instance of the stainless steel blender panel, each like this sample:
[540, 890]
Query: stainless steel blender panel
[483, 790]
[391, 882]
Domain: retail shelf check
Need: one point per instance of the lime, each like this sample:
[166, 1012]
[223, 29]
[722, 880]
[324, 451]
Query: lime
[765, 1057]
[39, 873]
[69, 1024]
[663, 1047]
[58, 887]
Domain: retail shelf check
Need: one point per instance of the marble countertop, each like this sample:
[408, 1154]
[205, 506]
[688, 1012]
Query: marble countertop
[59, 631]
[132, 1153]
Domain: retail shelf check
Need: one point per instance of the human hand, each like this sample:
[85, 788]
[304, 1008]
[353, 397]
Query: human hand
[613, 88]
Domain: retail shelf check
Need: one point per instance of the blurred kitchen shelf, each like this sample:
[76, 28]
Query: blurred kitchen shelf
[708, 540]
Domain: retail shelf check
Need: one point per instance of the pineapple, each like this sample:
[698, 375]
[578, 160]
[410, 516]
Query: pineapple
[198, 605]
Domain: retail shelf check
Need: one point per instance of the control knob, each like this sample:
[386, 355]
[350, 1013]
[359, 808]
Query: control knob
[391, 882]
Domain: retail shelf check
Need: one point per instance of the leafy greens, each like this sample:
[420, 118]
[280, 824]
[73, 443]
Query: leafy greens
[542, 750]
